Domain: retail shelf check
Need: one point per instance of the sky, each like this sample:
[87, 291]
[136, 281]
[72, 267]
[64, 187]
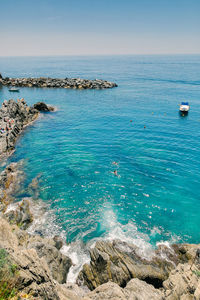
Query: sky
[99, 27]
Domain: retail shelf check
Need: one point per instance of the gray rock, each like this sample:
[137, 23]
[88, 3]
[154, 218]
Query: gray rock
[42, 82]
[14, 116]
[21, 216]
[41, 106]
[119, 262]
[58, 263]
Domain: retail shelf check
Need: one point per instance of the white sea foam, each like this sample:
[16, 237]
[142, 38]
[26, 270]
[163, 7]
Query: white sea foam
[79, 254]
[45, 223]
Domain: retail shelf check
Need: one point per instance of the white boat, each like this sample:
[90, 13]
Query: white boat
[184, 107]
[13, 89]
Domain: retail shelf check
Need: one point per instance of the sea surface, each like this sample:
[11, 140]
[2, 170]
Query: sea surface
[135, 129]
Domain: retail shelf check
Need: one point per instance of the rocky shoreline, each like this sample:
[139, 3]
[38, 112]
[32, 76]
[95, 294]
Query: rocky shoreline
[67, 83]
[33, 266]
[14, 117]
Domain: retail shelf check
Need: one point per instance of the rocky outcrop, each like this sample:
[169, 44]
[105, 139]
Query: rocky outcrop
[58, 263]
[14, 116]
[21, 215]
[183, 283]
[11, 179]
[120, 262]
[135, 290]
[39, 263]
[68, 83]
[41, 106]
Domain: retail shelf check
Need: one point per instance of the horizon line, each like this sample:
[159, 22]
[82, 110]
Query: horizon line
[119, 54]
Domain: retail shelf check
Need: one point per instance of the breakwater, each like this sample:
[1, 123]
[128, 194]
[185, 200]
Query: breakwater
[67, 83]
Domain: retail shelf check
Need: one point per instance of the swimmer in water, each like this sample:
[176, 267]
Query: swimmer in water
[115, 163]
[115, 173]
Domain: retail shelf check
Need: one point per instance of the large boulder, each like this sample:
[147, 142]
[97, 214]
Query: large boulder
[41, 106]
[135, 290]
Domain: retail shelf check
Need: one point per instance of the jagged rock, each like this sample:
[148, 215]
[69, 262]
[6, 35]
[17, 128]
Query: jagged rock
[183, 283]
[34, 265]
[135, 290]
[20, 216]
[10, 182]
[58, 263]
[110, 261]
[8, 239]
[41, 106]
[14, 116]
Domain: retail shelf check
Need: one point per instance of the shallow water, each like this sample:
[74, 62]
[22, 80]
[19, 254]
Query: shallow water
[155, 196]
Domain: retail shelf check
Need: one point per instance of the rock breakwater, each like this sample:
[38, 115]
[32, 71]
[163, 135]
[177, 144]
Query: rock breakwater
[46, 82]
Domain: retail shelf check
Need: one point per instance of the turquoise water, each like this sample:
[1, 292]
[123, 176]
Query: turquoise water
[156, 193]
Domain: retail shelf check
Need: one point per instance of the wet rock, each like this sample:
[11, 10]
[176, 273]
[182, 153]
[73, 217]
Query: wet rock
[41, 106]
[119, 262]
[58, 263]
[58, 242]
[21, 216]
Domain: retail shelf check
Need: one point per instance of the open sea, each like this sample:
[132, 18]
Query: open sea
[156, 195]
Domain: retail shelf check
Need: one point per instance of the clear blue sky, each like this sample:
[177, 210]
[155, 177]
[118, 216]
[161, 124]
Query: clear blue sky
[81, 27]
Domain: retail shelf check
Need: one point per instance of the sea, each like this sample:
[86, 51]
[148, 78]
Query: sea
[134, 130]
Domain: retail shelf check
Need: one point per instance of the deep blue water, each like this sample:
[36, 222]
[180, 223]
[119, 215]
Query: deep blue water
[156, 195]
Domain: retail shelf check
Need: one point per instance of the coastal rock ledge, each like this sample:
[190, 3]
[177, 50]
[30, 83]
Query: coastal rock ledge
[14, 117]
[67, 83]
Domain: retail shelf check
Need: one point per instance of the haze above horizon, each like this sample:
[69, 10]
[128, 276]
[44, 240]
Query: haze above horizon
[63, 27]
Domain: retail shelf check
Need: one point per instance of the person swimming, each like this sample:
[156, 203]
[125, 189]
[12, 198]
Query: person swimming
[115, 173]
[115, 163]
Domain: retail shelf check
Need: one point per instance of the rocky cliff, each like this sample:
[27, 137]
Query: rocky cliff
[14, 116]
